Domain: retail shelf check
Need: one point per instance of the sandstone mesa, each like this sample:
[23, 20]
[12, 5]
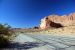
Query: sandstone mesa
[57, 21]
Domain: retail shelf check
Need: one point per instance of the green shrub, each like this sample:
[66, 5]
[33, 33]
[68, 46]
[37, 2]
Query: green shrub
[5, 29]
[5, 32]
[4, 42]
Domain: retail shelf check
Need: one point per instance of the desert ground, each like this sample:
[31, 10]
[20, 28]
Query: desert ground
[48, 39]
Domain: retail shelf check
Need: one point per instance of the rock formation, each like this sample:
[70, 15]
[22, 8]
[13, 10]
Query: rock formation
[57, 21]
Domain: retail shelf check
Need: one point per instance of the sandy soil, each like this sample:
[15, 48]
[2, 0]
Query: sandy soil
[65, 31]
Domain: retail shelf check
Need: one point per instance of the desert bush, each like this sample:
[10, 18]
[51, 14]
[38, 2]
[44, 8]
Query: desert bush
[4, 42]
[5, 29]
[5, 32]
[35, 27]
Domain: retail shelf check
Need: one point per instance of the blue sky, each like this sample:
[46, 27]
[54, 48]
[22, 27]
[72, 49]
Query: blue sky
[27, 13]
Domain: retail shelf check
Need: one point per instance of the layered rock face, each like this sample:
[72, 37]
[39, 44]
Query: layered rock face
[57, 21]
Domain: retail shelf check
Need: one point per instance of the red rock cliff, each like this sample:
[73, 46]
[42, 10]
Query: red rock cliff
[64, 20]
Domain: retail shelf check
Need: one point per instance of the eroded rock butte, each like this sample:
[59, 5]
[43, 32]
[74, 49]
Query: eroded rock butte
[57, 21]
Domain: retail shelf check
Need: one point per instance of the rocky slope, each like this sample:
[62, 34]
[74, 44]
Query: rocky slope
[57, 21]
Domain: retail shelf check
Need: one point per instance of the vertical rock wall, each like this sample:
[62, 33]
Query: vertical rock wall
[64, 20]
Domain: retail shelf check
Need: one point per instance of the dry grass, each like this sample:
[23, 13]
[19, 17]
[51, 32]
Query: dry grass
[64, 31]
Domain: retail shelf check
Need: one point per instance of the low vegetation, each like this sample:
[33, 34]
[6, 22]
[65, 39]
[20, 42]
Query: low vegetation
[5, 32]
